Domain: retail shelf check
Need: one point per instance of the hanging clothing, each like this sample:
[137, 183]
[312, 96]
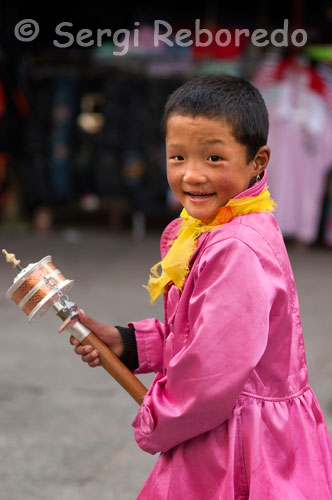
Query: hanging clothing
[298, 101]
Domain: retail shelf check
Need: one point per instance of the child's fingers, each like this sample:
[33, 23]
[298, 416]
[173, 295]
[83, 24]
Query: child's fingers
[82, 350]
[94, 363]
[73, 341]
[91, 356]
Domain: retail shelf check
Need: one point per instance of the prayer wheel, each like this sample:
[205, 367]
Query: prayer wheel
[41, 285]
[36, 287]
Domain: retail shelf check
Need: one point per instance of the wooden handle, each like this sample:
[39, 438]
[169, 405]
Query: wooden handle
[116, 368]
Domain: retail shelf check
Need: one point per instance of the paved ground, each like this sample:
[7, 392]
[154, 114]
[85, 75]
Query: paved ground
[65, 429]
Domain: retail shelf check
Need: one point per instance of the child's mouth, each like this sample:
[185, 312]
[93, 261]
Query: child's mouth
[199, 195]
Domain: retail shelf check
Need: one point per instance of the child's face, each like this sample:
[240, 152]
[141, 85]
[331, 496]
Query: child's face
[206, 166]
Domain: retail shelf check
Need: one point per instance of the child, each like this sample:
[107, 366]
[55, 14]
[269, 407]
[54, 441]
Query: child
[230, 408]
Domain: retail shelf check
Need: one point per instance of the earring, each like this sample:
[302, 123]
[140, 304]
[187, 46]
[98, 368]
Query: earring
[258, 177]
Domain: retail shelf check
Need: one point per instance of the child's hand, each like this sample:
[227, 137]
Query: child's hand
[108, 334]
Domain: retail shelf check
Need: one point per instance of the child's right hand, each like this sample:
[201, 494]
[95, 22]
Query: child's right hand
[108, 334]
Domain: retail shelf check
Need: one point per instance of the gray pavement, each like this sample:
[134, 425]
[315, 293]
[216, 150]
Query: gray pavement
[65, 429]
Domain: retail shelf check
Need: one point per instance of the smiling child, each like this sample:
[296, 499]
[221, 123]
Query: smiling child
[230, 409]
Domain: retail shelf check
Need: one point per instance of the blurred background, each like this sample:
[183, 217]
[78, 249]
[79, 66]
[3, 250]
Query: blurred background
[82, 177]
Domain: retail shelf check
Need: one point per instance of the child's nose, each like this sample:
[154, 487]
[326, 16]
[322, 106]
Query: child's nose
[194, 173]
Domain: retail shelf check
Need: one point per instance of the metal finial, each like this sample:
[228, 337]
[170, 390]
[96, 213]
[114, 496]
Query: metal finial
[11, 259]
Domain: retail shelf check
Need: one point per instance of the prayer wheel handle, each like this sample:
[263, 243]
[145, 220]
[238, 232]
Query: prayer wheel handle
[111, 363]
[108, 360]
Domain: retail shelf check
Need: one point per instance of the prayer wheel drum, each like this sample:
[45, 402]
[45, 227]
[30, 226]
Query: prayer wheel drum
[36, 287]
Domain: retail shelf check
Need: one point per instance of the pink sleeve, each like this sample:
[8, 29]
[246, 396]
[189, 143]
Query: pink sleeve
[150, 332]
[229, 323]
[149, 338]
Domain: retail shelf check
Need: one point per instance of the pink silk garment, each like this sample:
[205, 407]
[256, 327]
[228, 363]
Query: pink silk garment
[230, 408]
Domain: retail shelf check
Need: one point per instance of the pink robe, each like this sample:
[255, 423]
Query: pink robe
[230, 408]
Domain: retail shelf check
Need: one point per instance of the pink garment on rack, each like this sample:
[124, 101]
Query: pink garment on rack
[230, 408]
[300, 140]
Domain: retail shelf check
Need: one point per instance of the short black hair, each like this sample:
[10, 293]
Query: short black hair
[230, 98]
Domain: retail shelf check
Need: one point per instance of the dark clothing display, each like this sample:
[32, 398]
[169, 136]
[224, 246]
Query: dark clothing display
[65, 159]
[14, 110]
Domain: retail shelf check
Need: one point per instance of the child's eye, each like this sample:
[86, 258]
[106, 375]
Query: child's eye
[214, 158]
[177, 158]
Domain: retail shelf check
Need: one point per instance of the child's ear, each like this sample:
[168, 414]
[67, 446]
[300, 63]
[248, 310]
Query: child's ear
[261, 159]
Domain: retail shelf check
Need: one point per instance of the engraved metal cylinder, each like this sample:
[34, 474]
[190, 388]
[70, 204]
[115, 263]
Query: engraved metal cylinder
[36, 288]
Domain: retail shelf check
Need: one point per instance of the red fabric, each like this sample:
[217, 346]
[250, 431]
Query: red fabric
[215, 51]
[315, 82]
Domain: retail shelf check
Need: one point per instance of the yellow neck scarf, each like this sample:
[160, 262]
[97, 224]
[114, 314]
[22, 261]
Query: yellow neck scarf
[175, 265]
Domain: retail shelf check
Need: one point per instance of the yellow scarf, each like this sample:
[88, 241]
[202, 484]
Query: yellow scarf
[175, 265]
